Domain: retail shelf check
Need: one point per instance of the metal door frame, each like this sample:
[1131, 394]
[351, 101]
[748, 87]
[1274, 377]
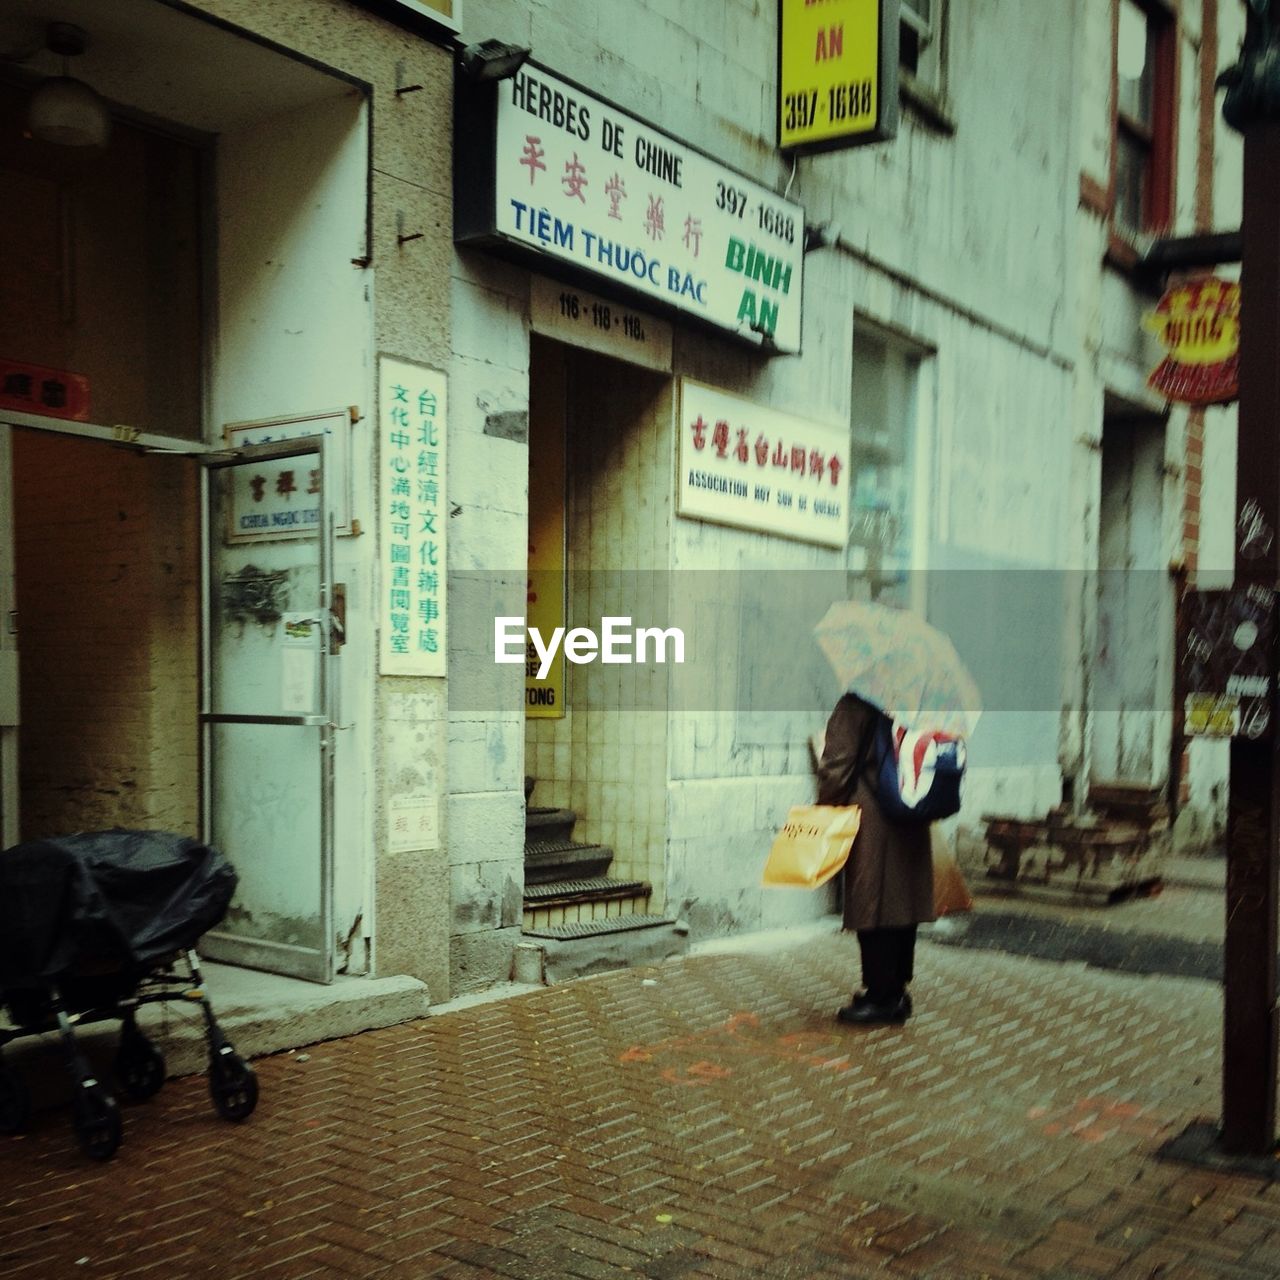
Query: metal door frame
[259, 953]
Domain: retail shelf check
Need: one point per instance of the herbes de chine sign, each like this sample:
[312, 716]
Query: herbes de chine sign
[547, 170]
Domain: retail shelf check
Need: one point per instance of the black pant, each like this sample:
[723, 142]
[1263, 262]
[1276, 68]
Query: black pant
[888, 961]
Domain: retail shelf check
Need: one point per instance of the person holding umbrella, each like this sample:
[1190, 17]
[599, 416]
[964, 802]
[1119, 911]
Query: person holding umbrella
[889, 661]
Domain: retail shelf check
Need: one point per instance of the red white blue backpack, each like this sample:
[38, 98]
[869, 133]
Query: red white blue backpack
[917, 774]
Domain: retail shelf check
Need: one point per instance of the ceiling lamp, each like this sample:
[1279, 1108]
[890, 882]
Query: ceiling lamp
[63, 110]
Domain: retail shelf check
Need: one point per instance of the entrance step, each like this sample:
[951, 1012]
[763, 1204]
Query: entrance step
[598, 928]
[547, 860]
[592, 890]
[586, 901]
[548, 824]
[618, 942]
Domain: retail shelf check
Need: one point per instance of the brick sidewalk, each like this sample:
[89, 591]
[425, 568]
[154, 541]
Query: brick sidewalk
[704, 1119]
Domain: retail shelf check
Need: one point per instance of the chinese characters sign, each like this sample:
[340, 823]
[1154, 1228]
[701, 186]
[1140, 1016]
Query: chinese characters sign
[747, 465]
[31, 388]
[581, 183]
[281, 498]
[1199, 325]
[413, 516]
[838, 72]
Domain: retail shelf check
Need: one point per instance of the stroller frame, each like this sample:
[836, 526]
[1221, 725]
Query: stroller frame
[139, 1064]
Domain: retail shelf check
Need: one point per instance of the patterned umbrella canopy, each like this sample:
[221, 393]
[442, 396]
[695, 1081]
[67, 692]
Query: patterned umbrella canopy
[901, 664]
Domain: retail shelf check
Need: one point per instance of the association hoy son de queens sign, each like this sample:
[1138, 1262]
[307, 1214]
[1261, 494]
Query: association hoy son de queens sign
[548, 170]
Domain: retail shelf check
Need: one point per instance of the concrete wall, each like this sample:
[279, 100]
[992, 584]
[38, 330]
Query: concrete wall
[306, 335]
[966, 240]
[489, 480]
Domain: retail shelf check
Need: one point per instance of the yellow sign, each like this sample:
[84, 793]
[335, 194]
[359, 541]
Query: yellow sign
[836, 84]
[1209, 716]
[1198, 323]
[545, 607]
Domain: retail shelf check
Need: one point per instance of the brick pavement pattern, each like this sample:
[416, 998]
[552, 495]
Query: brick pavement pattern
[706, 1118]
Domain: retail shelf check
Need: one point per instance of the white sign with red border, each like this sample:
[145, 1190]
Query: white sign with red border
[758, 468]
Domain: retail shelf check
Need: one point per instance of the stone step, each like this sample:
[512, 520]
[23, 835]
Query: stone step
[564, 893]
[548, 824]
[548, 860]
[600, 928]
[619, 942]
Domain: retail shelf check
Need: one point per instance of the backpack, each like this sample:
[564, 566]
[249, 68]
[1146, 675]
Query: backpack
[916, 775]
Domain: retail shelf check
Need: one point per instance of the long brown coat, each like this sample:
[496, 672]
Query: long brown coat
[888, 880]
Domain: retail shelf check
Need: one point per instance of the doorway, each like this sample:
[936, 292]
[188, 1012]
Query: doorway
[1132, 689]
[600, 450]
[106, 588]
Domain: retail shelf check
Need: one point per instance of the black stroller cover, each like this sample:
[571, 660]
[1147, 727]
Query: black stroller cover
[105, 900]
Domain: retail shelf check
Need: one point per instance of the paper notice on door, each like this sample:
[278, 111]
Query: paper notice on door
[297, 681]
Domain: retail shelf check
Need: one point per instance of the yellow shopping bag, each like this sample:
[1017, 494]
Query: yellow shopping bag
[813, 845]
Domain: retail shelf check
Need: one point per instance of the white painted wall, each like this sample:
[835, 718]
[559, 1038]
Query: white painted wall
[293, 333]
[967, 243]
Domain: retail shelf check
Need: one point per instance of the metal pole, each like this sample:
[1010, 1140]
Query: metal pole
[1253, 824]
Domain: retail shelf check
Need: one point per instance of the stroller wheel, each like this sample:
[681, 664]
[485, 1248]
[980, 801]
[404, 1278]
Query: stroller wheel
[97, 1122]
[233, 1086]
[15, 1103]
[139, 1067]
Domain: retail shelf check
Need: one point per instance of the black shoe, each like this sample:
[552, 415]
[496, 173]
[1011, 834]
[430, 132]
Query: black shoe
[866, 1012]
[863, 998]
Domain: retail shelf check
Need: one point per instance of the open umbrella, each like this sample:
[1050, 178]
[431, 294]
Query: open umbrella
[901, 664]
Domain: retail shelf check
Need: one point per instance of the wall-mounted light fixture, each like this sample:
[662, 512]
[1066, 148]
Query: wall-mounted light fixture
[492, 60]
[64, 110]
[821, 235]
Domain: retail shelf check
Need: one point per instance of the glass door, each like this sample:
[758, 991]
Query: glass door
[267, 716]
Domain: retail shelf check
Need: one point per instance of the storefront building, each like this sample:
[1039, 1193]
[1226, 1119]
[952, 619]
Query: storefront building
[196, 313]
[346, 346]
[972, 342]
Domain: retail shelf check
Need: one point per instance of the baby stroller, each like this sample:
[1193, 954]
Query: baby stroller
[92, 927]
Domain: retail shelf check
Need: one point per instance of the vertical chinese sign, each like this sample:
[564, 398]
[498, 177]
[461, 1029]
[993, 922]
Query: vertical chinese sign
[413, 514]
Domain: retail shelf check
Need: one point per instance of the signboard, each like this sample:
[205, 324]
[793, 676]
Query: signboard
[413, 515]
[445, 13]
[413, 823]
[1227, 658]
[757, 468]
[585, 320]
[547, 171]
[1199, 324]
[837, 73]
[282, 499]
[34, 388]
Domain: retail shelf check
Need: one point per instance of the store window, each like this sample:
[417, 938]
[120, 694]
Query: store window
[1142, 147]
[921, 47]
[886, 376]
